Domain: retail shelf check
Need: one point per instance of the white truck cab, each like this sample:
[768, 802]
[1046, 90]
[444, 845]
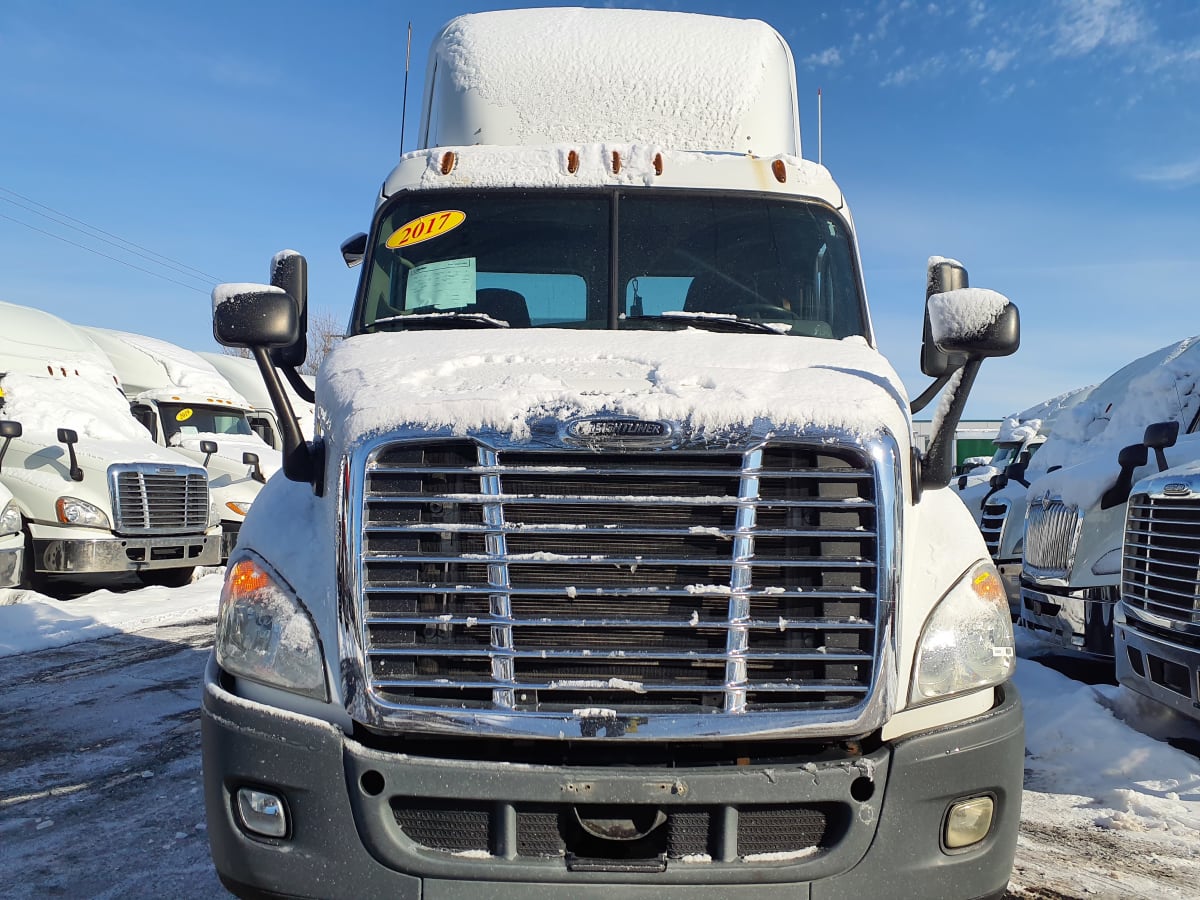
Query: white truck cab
[95, 496]
[188, 406]
[1141, 420]
[613, 570]
[244, 377]
[12, 541]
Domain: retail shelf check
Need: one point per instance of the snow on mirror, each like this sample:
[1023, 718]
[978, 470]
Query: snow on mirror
[964, 315]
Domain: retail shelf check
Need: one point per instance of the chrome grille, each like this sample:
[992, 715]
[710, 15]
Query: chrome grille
[542, 581]
[1161, 564]
[155, 499]
[1051, 538]
[991, 525]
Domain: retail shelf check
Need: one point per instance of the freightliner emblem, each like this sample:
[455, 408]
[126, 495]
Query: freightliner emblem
[1175, 489]
[615, 431]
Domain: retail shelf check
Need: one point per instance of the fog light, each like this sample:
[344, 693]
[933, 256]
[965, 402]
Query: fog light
[262, 812]
[969, 822]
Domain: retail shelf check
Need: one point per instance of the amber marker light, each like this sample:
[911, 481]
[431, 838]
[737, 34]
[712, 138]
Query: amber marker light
[246, 577]
[448, 161]
[658, 164]
[573, 162]
[616, 162]
[780, 171]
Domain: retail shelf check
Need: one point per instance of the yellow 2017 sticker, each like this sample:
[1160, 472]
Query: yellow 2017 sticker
[431, 225]
[183, 415]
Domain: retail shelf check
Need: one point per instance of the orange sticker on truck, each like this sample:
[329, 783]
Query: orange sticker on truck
[430, 225]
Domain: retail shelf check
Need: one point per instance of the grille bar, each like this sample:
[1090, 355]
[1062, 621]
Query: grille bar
[991, 525]
[1161, 571]
[1051, 537]
[152, 499]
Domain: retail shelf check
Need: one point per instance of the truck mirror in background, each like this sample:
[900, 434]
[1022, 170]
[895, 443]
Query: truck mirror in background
[941, 275]
[70, 438]
[1159, 436]
[251, 459]
[146, 418]
[354, 248]
[289, 272]
[1016, 472]
[8, 431]
[253, 315]
[1132, 457]
[208, 448]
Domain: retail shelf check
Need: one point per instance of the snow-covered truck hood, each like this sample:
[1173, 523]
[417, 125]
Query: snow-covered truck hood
[463, 382]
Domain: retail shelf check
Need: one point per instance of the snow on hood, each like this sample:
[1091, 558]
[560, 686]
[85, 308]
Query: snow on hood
[230, 448]
[95, 408]
[504, 380]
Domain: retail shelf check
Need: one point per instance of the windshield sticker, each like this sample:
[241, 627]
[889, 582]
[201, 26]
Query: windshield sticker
[449, 284]
[431, 225]
[183, 415]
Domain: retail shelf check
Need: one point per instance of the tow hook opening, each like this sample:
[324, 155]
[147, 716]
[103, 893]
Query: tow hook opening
[599, 837]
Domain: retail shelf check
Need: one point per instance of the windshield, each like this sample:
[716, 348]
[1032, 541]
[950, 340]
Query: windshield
[183, 420]
[540, 258]
[1005, 453]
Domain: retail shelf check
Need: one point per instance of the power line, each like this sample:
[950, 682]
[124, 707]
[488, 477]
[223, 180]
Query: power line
[126, 246]
[105, 255]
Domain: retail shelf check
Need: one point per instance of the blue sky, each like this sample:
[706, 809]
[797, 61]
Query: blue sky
[1052, 147]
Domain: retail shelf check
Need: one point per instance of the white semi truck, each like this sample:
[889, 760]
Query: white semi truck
[613, 568]
[12, 541]
[93, 495]
[1140, 420]
[243, 376]
[186, 404]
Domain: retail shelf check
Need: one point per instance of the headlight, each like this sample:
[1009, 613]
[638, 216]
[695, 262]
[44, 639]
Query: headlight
[240, 508]
[10, 519]
[967, 642]
[265, 634]
[77, 512]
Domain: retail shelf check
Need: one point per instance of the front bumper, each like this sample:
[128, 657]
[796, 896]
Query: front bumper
[109, 554]
[1166, 669]
[12, 551]
[1010, 574]
[352, 810]
[1077, 622]
[229, 536]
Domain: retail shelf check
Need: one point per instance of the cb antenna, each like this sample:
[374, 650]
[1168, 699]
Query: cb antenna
[404, 101]
[818, 126]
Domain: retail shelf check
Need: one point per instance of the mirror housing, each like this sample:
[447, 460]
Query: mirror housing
[941, 275]
[8, 430]
[69, 437]
[253, 315]
[208, 448]
[354, 248]
[1158, 437]
[251, 459]
[973, 323]
[289, 271]
[1016, 472]
[1129, 458]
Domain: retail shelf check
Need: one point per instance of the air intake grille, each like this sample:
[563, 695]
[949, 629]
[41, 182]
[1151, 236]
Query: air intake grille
[991, 526]
[1161, 565]
[1051, 538]
[639, 581]
[147, 500]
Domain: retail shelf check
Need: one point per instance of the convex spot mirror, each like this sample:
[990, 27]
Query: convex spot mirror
[254, 315]
[973, 322]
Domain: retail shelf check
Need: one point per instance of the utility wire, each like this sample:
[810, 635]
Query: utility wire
[105, 255]
[119, 242]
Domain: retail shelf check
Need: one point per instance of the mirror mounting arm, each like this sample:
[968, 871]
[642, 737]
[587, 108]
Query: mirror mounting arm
[301, 461]
[299, 385]
[930, 392]
[938, 466]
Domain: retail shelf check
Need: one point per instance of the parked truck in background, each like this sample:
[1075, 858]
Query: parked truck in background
[612, 567]
[244, 377]
[95, 496]
[12, 541]
[1141, 419]
[187, 405]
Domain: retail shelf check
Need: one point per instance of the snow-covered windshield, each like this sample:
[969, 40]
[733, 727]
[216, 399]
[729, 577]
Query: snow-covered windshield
[182, 420]
[610, 258]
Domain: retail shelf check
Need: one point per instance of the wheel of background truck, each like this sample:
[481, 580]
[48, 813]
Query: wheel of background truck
[31, 580]
[168, 577]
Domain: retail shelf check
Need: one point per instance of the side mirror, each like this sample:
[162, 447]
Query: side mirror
[1159, 436]
[1132, 457]
[354, 248]
[941, 275]
[251, 459]
[8, 431]
[146, 418]
[254, 315]
[974, 322]
[1016, 472]
[208, 448]
[289, 271]
[70, 438]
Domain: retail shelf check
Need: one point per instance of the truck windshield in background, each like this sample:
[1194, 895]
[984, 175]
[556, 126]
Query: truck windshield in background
[182, 420]
[548, 258]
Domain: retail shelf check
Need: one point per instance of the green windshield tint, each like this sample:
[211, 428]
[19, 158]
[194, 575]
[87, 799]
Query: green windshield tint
[530, 259]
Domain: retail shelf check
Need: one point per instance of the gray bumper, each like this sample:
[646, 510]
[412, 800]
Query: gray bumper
[1159, 667]
[352, 809]
[1010, 574]
[78, 556]
[10, 567]
[1078, 622]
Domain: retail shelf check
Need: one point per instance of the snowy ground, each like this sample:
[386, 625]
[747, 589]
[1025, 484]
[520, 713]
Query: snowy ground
[100, 770]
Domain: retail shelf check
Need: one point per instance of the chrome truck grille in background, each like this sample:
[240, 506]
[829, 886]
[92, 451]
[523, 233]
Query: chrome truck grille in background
[152, 499]
[577, 581]
[991, 525]
[1051, 537]
[1161, 564]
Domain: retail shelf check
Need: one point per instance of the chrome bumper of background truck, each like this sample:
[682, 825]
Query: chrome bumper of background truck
[350, 807]
[1079, 622]
[1157, 667]
[77, 556]
[10, 566]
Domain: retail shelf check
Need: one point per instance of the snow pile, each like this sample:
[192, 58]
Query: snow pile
[504, 381]
[87, 400]
[158, 368]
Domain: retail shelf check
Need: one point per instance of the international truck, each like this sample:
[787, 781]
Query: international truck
[187, 405]
[1140, 420]
[93, 496]
[612, 570]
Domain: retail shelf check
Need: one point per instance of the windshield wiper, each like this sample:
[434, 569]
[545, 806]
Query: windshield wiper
[714, 322]
[422, 321]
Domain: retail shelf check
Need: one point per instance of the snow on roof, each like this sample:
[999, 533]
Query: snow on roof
[503, 380]
[1039, 418]
[546, 76]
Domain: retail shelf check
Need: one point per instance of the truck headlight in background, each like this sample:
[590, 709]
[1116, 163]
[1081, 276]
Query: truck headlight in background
[967, 642]
[10, 519]
[72, 511]
[265, 634]
[239, 507]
